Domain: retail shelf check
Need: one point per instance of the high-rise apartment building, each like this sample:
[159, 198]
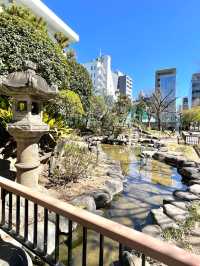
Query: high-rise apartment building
[196, 89]
[125, 85]
[185, 103]
[165, 80]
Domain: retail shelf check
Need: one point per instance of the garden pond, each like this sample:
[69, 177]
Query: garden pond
[146, 183]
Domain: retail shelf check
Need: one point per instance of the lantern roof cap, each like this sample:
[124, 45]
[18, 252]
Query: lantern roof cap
[27, 82]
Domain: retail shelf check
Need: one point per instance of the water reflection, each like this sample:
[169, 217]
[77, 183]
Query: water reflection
[110, 251]
[146, 184]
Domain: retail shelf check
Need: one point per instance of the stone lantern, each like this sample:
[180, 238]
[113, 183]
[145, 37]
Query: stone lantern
[28, 91]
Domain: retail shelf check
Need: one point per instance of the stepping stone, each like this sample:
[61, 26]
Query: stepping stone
[171, 160]
[175, 212]
[196, 176]
[195, 189]
[185, 195]
[162, 219]
[195, 232]
[193, 182]
[160, 156]
[189, 164]
[183, 205]
[189, 172]
[153, 230]
[163, 149]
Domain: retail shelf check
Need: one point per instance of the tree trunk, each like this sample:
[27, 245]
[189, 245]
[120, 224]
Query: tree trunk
[149, 124]
[149, 121]
[159, 122]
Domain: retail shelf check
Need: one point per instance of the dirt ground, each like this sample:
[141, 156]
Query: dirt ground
[96, 180]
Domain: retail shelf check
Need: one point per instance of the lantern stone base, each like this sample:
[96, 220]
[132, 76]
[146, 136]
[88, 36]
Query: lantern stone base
[27, 137]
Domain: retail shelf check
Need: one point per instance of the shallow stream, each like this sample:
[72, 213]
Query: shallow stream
[146, 183]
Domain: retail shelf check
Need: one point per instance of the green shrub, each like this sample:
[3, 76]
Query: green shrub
[76, 164]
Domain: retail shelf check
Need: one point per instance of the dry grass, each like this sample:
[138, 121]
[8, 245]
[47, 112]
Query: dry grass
[186, 150]
[160, 134]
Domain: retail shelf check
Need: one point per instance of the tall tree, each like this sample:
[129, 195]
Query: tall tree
[23, 37]
[121, 108]
[160, 103]
[191, 116]
[62, 40]
[80, 82]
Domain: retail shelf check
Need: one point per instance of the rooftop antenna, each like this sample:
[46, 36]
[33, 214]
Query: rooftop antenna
[100, 54]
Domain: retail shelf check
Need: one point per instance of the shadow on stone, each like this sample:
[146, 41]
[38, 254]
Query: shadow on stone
[12, 255]
[5, 170]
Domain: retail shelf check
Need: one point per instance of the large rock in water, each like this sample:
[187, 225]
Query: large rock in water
[115, 186]
[102, 198]
[85, 201]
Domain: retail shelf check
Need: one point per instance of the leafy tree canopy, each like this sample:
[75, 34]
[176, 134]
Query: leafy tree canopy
[70, 103]
[80, 82]
[191, 115]
[24, 37]
[66, 108]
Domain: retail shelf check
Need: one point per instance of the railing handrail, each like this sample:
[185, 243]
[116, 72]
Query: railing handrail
[159, 250]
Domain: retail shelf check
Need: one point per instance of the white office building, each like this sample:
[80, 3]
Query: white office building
[54, 23]
[102, 77]
[105, 81]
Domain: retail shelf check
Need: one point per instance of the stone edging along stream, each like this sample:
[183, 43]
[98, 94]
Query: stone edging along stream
[175, 208]
[96, 198]
[100, 198]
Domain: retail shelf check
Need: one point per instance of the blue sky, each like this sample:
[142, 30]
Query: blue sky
[140, 35]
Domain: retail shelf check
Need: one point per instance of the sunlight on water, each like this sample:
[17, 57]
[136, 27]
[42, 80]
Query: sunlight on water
[146, 183]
